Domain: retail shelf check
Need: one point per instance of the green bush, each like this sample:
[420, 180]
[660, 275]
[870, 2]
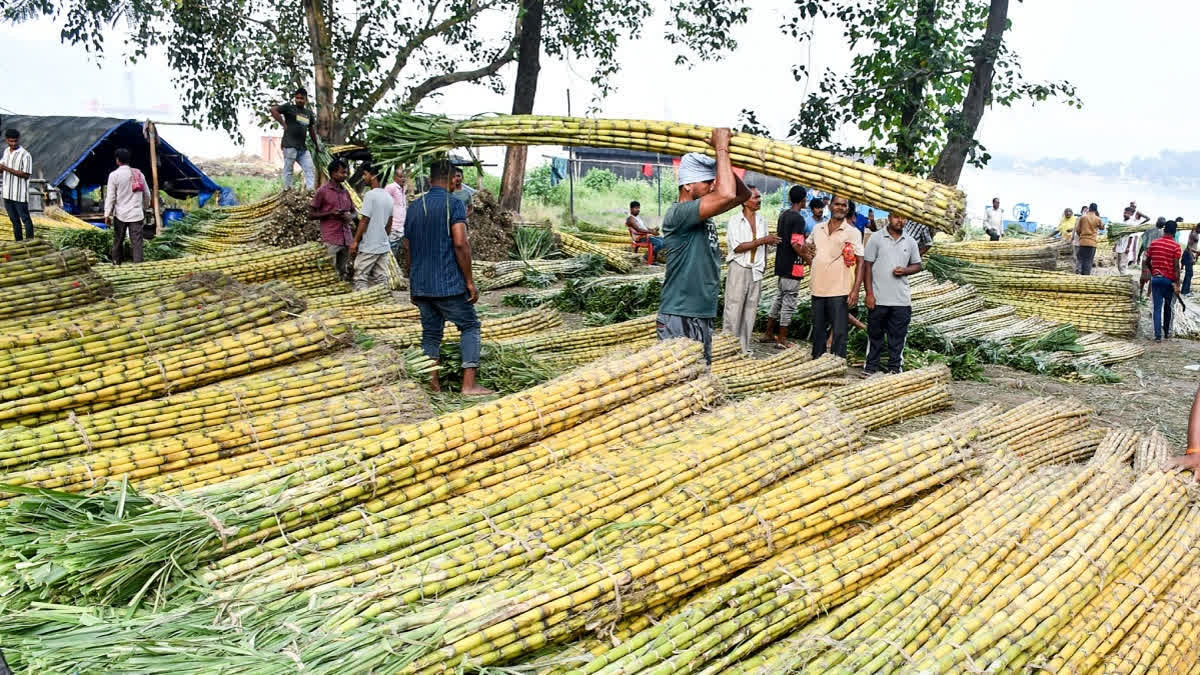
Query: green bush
[600, 179]
[490, 183]
[537, 185]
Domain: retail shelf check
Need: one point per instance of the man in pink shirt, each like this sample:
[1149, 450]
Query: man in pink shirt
[395, 190]
[332, 206]
[125, 200]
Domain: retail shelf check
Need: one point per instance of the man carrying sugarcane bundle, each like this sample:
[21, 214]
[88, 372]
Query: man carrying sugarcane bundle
[707, 188]
[370, 247]
[441, 285]
[888, 260]
[747, 238]
[837, 274]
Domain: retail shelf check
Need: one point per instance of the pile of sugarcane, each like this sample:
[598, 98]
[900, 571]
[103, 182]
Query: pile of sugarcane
[492, 276]
[1036, 253]
[574, 246]
[36, 279]
[45, 224]
[1103, 304]
[403, 332]
[404, 137]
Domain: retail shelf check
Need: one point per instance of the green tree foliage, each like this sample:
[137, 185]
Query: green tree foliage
[910, 73]
[600, 179]
[232, 56]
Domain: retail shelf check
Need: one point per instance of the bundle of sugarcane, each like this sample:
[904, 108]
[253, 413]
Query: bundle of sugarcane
[583, 338]
[584, 265]
[1085, 314]
[50, 295]
[746, 366]
[1117, 230]
[373, 295]
[491, 283]
[247, 266]
[360, 484]
[68, 220]
[408, 333]
[402, 137]
[152, 335]
[24, 270]
[26, 248]
[214, 404]
[396, 280]
[574, 246]
[963, 301]
[792, 371]
[220, 451]
[990, 277]
[380, 315]
[185, 367]
[43, 226]
[1038, 253]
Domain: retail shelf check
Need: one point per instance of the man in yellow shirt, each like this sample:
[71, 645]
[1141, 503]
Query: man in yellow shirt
[1088, 230]
[837, 274]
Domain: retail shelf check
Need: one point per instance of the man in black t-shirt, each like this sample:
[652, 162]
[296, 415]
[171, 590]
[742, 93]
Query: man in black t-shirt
[298, 121]
[790, 258]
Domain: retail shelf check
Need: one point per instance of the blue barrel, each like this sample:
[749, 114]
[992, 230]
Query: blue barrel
[171, 216]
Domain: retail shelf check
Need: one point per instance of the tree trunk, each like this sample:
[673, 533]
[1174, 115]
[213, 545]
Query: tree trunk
[524, 91]
[962, 126]
[329, 127]
[920, 41]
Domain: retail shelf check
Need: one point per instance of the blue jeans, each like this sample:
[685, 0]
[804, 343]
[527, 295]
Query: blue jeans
[657, 243]
[1188, 263]
[304, 158]
[435, 312]
[18, 212]
[1164, 295]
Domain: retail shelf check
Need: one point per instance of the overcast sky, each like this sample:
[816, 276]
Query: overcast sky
[1131, 63]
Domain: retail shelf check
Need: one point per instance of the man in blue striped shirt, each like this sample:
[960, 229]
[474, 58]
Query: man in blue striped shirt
[440, 281]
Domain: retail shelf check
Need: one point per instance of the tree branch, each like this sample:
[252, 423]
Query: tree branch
[436, 82]
[430, 30]
[288, 57]
[351, 48]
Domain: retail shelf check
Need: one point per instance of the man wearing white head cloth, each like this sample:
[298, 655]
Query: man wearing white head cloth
[707, 188]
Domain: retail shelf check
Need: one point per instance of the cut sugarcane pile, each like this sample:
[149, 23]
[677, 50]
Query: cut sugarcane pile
[1036, 253]
[407, 333]
[306, 268]
[403, 137]
[1103, 304]
[491, 276]
[44, 224]
[574, 246]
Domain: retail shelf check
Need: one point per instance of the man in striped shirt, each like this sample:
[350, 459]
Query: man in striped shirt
[15, 168]
[1163, 258]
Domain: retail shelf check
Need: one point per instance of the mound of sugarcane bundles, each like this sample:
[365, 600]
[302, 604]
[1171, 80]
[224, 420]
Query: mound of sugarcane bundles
[49, 295]
[44, 225]
[574, 246]
[24, 270]
[215, 404]
[155, 374]
[402, 137]
[1117, 230]
[26, 248]
[247, 266]
[361, 484]
[371, 296]
[220, 452]
[1034, 254]
[583, 265]
[408, 333]
[380, 316]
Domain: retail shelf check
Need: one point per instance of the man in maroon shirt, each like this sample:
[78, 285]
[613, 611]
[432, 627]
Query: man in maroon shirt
[332, 206]
[1163, 256]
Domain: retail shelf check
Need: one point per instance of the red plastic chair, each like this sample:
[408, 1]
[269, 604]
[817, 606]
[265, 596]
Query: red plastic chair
[641, 240]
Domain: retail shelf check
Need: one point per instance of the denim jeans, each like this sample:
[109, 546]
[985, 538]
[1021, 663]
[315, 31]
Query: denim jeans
[304, 158]
[18, 212]
[1163, 292]
[657, 243]
[1188, 264]
[435, 312]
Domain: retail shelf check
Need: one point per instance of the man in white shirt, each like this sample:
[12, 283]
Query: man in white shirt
[993, 217]
[1127, 246]
[370, 247]
[395, 190]
[747, 237]
[15, 168]
[125, 201]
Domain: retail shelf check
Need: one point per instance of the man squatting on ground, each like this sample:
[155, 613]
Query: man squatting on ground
[747, 238]
[790, 259]
[707, 188]
[888, 259]
[438, 256]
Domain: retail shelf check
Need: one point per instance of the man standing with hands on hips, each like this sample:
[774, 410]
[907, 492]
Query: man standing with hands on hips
[707, 188]
[837, 274]
[890, 257]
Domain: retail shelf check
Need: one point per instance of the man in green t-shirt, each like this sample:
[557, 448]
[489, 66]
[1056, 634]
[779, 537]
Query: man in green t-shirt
[707, 188]
[298, 121]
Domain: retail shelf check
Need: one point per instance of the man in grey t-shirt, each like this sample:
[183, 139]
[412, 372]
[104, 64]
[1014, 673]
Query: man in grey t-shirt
[371, 247]
[890, 256]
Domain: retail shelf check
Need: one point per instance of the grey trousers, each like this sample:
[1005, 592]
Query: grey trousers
[741, 303]
[370, 269]
[339, 255]
[669, 326]
[1087, 255]
[785, 303]
[134, 228]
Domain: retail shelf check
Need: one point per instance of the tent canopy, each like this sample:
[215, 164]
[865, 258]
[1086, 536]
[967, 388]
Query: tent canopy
[62, 145]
